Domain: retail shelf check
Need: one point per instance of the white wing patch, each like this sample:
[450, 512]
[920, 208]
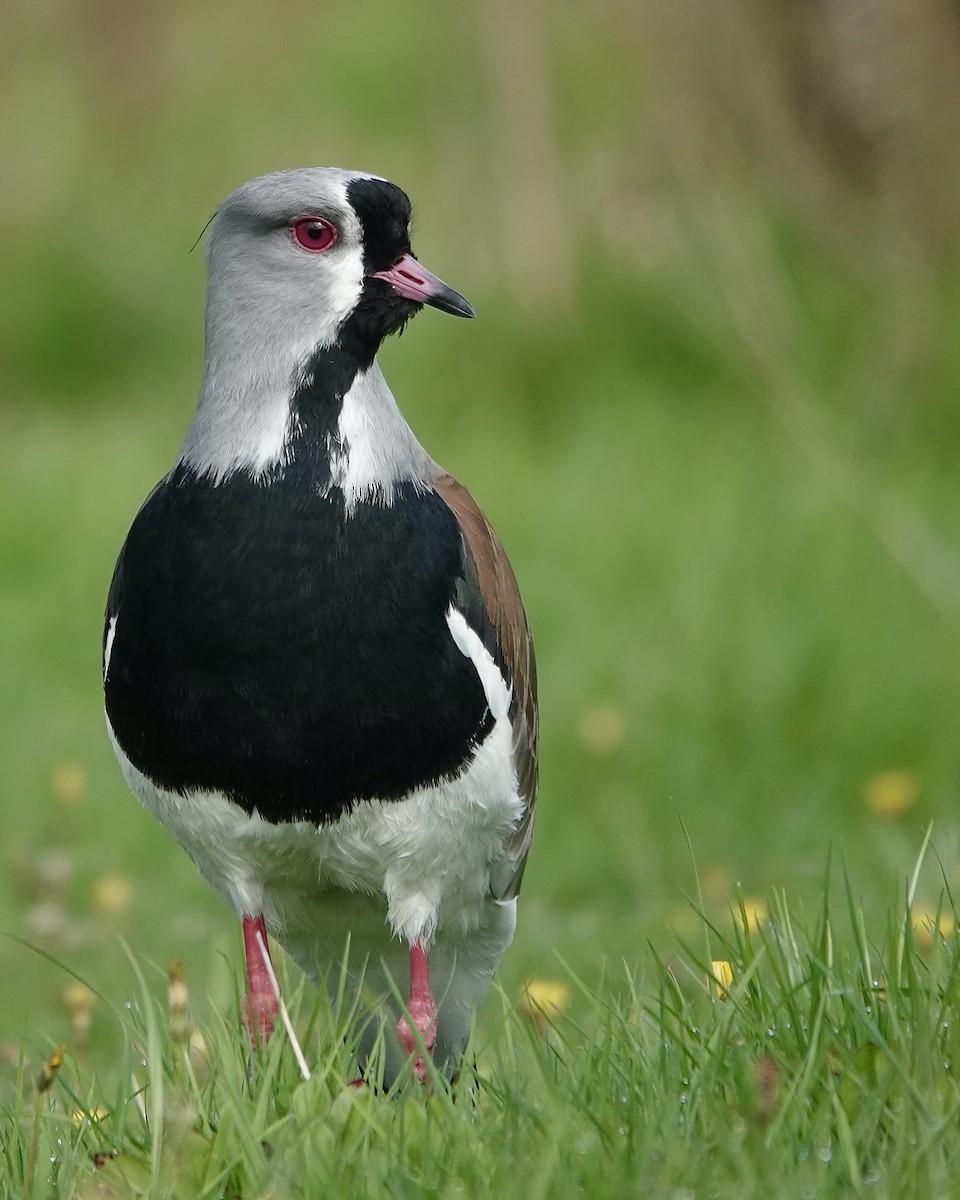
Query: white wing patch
[108, 645]
[468, 642]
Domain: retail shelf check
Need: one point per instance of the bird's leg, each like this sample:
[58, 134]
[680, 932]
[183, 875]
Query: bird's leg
[260, 1005]
[422, 1010]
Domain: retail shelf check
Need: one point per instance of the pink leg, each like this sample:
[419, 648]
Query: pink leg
[260, 1005]
[422, 1010]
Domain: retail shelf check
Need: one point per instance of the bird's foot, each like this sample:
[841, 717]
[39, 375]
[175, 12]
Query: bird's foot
[422, 1013]
[425, 1023]
[259, 1011]
[260, 1006]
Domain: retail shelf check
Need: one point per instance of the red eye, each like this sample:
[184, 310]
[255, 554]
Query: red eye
[313, 233]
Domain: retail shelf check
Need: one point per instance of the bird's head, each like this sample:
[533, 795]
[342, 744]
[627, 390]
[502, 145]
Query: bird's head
[308, 272]
[321, 256]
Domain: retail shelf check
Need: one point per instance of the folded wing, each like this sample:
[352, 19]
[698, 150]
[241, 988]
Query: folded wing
[490, 601]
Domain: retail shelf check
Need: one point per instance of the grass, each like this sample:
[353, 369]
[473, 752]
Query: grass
[722, 643]
[776, 1056]
[726, 647]
[733, 680]
[709, 403]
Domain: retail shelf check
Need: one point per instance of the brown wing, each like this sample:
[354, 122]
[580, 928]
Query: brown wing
[500, 599]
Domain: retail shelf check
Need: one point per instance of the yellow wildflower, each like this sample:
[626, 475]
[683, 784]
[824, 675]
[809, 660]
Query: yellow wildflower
[722, 977]
[544, 999]
[755, 910]
[111, 894]
[78, 1000]
[891, 794]
[926, 921]
[601, 729]
[68, 783]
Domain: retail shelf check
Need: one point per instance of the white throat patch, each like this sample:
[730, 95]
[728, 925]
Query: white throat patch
[374, 448]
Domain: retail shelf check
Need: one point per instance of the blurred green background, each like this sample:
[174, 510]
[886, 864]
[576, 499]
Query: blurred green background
[709, 402]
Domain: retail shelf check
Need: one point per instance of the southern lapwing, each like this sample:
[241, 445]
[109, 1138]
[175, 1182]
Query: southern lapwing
[317, 667]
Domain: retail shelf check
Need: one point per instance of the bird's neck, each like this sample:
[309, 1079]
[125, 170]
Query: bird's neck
[323, 411]
[351, 418]
[242, 422]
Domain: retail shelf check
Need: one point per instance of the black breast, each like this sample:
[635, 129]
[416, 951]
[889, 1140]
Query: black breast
[271, 647]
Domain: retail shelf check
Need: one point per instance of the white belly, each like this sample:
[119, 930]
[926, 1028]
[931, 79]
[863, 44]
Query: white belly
[383, 876]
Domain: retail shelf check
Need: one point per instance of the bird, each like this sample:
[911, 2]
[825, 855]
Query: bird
[318, 671]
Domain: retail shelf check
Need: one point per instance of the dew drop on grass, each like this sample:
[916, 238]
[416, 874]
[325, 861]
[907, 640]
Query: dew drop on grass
[824, 1154]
